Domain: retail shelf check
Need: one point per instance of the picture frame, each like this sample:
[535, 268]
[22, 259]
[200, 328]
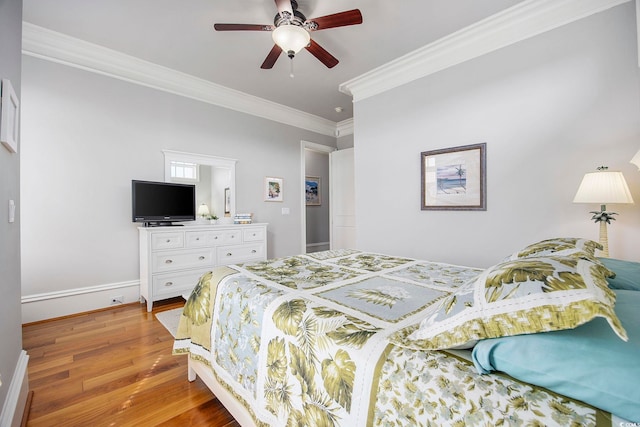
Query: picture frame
[227, 201]
[273, 189]
[9, 117]
[312, 191]
[454, 178]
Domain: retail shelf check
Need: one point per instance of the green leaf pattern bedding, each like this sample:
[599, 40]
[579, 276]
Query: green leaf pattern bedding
[304, 341]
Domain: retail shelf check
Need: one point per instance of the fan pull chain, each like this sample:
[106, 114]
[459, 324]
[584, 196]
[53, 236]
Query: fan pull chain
[291, 69]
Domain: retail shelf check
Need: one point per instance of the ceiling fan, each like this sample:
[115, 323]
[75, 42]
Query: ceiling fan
[290, 31]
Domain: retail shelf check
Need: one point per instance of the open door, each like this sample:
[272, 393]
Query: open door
[343, 216]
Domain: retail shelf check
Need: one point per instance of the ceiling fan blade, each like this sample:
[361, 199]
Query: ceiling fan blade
[325, 57]
[243, 27]
[271, 58]
[341, 19]
[284, 6]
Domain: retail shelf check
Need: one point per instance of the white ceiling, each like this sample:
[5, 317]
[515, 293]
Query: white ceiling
[180, 35]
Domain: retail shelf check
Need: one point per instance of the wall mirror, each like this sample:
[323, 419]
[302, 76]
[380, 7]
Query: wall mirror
[214, 177]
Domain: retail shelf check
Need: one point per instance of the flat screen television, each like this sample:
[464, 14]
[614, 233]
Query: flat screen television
[162, 203]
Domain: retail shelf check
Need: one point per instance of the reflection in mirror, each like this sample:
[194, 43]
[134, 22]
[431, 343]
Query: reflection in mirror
[214, 177]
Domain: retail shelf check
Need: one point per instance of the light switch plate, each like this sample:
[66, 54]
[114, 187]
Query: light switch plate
[12, 211]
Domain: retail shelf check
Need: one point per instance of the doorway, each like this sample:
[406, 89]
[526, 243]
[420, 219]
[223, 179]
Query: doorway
[316, 182]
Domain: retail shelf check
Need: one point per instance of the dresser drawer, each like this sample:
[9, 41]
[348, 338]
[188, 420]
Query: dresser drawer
[231, 237]
[167, 241]
[198, 239]
[176, 283]
[238, 254]
[253, 235]
[176, 260]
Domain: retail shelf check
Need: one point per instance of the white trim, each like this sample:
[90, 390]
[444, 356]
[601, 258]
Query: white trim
[520, 22]
[306, 145]
[78, 291]
[13, 408]
[53, 46]
[345, 127]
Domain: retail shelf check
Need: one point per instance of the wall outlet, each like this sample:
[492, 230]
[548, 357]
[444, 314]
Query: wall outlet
[119, 299]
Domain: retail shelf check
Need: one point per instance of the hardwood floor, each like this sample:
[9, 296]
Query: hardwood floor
[114, 368]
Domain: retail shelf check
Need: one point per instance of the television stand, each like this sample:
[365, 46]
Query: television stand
[172, 259]
[161, 224]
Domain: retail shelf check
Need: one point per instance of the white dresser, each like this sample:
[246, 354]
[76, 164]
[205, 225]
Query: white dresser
[172, 259]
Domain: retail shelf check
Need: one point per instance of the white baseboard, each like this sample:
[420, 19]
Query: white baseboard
[319, 246]
[13, 407]
[63, 303]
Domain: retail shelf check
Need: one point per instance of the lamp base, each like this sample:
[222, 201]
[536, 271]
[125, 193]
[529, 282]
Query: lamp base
[604, 239]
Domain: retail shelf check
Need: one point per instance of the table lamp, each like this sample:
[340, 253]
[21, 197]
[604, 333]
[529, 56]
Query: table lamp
[603, 187]
[203, 210]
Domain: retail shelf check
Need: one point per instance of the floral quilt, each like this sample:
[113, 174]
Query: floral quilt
[304, 341]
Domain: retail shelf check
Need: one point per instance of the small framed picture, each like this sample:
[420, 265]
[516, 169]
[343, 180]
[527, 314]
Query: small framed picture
[312, 190]
[454, 178]
[273, 189]
[9, 120]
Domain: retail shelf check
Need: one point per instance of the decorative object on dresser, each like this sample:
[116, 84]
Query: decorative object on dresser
[172, 259]
[603, 187]
[454, 178]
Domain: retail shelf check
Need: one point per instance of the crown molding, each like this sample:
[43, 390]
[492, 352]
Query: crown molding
[520, 22]
[53, 46]
[345, 127]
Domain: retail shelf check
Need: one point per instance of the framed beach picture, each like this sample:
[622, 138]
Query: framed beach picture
[273, 189]
[312, 191]
[454, 178]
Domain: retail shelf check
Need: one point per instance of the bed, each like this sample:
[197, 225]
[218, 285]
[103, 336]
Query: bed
[349, 338]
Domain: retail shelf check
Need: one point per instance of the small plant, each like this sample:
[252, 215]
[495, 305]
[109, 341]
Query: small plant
[213, 217]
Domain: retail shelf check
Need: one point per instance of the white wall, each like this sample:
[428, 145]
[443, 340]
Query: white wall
[549, 108]
[86, 136]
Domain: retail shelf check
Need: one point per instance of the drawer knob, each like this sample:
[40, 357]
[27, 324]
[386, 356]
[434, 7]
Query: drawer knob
[168, 284]
[215, 238]
[168, 240]
[229, 254]
[253, 251]
[197, 238]
[254, 234]
[169, 261]
[201, 257]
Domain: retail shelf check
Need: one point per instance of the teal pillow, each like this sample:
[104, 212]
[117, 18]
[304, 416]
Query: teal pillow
[627, 274]
[589, 363]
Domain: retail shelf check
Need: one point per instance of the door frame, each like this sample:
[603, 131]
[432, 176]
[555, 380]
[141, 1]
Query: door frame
[311, 146]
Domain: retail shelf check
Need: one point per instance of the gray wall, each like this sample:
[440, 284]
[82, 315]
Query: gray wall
[10, 318]
[550, 109]
[317, 221]
[345, 142]
[85, 136]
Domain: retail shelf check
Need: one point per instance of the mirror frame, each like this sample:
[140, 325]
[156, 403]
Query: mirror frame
[207, 160]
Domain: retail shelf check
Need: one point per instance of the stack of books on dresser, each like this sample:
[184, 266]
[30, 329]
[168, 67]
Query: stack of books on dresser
[243, 218]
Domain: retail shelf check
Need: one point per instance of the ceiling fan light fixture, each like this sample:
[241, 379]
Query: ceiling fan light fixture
[291, 38]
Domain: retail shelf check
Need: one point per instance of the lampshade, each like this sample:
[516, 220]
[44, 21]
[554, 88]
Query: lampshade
[603, 187]
[291, 38]
[636, 159]
[203, 210]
